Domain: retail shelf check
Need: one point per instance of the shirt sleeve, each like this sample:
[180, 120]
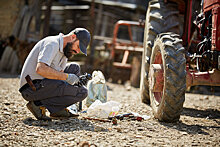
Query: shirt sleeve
[47, 54]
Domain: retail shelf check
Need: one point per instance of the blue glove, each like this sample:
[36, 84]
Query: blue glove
[72, 79]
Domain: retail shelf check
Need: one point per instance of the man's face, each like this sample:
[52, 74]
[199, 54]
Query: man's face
[72, 48]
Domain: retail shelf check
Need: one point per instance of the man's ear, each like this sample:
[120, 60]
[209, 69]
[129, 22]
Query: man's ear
[73, 37]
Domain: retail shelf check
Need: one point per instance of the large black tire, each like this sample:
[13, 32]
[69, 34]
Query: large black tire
[169, 53]
[160, 17]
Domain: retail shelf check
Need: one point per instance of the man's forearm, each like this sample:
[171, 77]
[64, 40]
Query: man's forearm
[50, 73]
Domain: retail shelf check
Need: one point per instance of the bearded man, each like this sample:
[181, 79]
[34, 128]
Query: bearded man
[53, 79]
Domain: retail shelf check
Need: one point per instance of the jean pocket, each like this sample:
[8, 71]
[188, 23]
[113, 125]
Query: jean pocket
[28, 94]
[49, 88]
[38, 85]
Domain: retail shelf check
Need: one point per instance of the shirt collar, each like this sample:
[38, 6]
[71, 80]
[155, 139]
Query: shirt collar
[61, 42]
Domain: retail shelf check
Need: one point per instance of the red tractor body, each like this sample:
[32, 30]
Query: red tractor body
[205, 77]
[214, 7]
[208, 76]
[169, 64]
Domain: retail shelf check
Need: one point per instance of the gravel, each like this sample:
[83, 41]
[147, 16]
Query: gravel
[199, 124]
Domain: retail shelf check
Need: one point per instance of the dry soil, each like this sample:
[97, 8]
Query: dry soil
[199, 123]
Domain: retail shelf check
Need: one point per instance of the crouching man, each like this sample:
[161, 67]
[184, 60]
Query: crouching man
[52, 79]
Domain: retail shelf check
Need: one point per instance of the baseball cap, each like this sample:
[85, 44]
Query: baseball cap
[84, 38]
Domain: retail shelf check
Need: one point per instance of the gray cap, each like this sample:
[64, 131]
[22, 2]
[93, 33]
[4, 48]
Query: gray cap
[84, 38]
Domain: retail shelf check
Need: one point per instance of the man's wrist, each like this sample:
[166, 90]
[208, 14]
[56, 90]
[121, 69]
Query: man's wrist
[67, 76]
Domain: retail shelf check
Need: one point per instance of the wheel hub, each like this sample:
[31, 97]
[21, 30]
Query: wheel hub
[156, 78]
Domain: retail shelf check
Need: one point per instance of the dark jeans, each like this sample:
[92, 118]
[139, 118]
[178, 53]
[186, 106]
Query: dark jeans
[56, 95]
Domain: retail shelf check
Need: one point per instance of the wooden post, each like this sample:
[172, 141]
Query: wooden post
[98, 20]
[104, 26]
[38, 16]
[92, 21]
[47, 18]
[135, 71]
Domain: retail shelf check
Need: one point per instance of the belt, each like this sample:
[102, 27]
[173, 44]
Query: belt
[25, 86]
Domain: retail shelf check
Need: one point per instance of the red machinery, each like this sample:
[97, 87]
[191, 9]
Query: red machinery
[209, 58]
[126, 44]
[171, 64]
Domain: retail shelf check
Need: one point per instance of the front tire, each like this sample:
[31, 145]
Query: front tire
[167, 83]
[160, 17]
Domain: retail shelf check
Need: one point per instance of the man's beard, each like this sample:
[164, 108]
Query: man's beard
[67, 50]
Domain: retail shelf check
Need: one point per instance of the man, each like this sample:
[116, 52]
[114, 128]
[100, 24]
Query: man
[53, 81]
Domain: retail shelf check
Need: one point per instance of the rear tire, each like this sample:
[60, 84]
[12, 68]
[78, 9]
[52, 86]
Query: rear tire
[160, 17]
[168, 52]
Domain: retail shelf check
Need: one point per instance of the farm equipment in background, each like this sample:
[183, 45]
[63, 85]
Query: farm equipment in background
[125, 51]
[181, 49]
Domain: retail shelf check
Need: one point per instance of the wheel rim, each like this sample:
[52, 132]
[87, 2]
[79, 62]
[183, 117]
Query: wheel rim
[157, 77]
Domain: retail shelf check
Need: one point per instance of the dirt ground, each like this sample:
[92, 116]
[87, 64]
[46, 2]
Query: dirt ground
[199, 123]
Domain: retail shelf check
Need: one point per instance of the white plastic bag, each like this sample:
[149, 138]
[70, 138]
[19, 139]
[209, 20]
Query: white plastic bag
[73, 109]
[97, 89]
[103, 110]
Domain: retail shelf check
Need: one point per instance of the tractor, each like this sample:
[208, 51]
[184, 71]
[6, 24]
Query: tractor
[181, 49]
[125, 50]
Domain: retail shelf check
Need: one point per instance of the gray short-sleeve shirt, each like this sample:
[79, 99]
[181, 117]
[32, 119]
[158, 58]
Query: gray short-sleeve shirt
[49, 51]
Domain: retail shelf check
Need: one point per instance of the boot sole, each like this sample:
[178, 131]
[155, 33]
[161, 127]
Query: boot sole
[32, 111]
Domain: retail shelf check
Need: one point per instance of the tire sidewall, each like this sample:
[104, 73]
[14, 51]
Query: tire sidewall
[155, 107]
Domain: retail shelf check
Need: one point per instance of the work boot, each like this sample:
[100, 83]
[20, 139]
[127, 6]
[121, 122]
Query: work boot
[38, 111]
[63, 114]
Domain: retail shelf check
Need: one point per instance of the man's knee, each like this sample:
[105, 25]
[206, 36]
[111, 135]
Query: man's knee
[72, 68]
[83, 93]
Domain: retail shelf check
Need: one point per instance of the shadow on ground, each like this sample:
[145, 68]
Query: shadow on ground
[190, 129]
[65, 125]
[209, 114]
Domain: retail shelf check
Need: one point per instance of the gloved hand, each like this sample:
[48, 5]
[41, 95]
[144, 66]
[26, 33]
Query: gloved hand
[72, 79]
